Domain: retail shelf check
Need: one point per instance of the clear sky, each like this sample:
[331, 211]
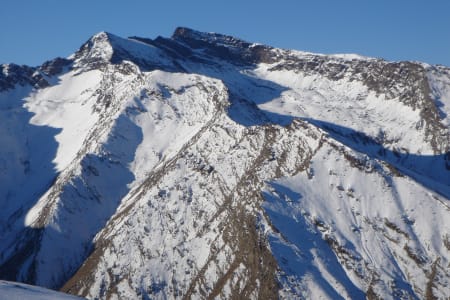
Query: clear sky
[37, 30]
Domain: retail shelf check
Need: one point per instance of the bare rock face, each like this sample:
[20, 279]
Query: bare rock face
[205, 166]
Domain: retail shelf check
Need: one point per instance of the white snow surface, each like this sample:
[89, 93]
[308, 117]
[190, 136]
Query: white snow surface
[373, 218]
[19, 291]
[154, 115]
[68, 106]
[346, 103]
[439, 78]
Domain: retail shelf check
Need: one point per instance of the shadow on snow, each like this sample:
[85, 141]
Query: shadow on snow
[86, 200]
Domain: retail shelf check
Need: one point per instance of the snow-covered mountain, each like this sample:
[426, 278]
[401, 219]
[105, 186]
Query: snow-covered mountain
[204, 166]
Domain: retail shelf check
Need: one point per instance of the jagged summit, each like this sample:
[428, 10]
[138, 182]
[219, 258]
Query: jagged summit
[203, 166]
[225, 47]
[183, 33]
[105, 48]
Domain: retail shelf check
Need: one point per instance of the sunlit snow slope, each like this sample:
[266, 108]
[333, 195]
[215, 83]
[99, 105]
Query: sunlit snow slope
[203, 166]
[20, 291]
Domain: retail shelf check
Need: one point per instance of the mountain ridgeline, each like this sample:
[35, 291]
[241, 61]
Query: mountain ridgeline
[203, 166]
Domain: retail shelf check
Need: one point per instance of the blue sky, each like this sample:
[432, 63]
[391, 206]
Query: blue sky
[34, 31]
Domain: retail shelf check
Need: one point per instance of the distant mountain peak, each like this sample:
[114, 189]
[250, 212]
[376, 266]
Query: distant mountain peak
[94, 51]
[101, 35]
[104, 48]
[182, 33]
[187, 34]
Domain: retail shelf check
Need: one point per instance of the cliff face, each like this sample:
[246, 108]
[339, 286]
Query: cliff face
[203, 166]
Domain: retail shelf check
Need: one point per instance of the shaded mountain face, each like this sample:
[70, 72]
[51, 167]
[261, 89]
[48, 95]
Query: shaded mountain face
[204, 166]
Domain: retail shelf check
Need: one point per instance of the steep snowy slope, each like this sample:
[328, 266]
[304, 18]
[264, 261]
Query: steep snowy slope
[203, 166]
[104, 116]
[330, 231]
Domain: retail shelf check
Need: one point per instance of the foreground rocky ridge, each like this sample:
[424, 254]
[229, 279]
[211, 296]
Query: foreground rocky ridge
[205, 166]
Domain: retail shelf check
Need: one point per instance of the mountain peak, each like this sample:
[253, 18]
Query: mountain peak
[95, 50]
[101, 35]
[102, 39]
[183, 31]
[187, 34]
[225, 47]
[104, 48]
